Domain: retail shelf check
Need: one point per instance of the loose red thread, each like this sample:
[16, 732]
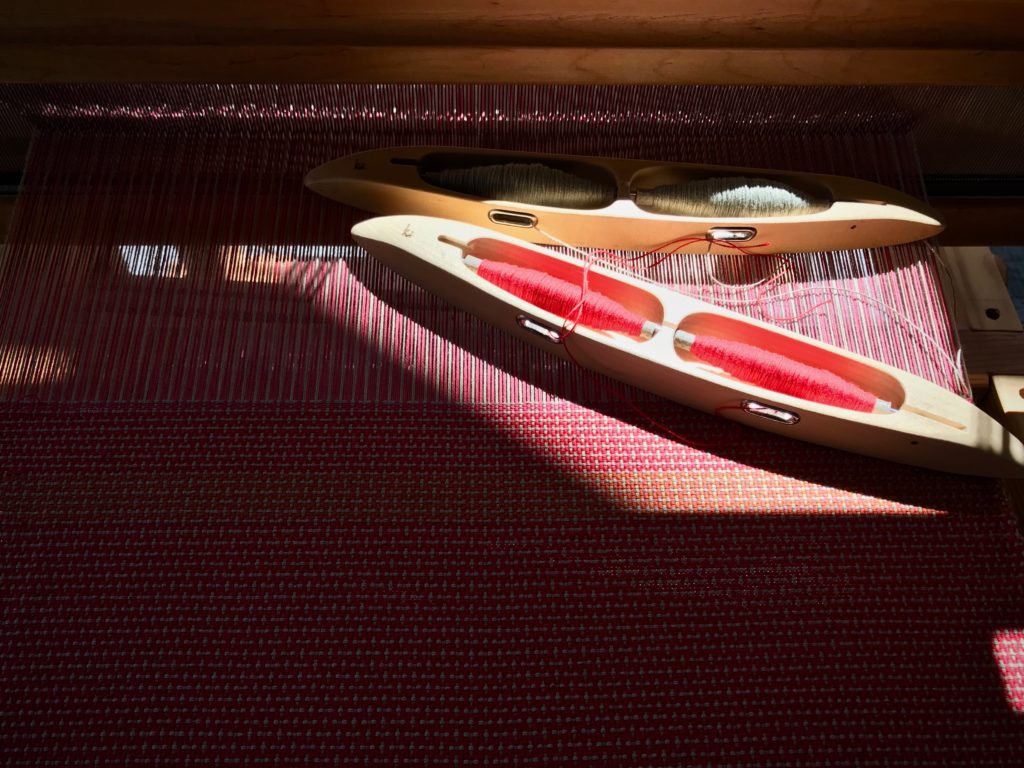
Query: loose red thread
[748, 250]
[674, 246]
[678, 244]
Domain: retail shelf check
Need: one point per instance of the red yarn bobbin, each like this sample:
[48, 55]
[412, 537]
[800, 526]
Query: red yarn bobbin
[779, 373]
[560, 297]
[576, 303]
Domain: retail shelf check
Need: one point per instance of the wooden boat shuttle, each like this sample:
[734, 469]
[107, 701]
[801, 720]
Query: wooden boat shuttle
[599, 202]
[915, 422]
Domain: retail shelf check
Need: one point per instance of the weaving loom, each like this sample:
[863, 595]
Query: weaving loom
[266, 501]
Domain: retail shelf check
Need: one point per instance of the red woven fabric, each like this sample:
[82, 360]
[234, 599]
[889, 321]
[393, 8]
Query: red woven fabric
[263, 502]
[358, 584]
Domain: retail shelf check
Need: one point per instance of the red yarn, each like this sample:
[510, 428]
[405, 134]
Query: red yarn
[781, 374]
[562, 298]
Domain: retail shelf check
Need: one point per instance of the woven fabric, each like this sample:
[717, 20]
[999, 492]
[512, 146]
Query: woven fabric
[265, 503]
[359, 584]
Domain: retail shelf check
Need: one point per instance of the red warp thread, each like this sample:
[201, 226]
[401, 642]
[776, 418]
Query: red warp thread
[562, 297]
[779, 373]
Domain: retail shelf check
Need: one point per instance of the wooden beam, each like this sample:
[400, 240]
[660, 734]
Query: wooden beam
[723, 24]
[993, 341]
[103, 63]
[983, 303]
[526, 41]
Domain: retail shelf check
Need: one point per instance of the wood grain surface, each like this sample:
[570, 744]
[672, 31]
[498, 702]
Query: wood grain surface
[742, 41]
